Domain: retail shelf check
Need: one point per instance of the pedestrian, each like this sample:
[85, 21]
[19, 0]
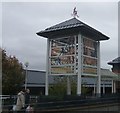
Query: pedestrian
[20, 100]
[29, 108]
[27, 98]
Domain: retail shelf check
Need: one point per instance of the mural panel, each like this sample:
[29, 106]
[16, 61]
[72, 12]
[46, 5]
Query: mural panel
[89, 56]
[63, 55]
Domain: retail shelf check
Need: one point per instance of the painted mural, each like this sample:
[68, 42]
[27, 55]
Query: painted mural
[89, 56]
[63, 55]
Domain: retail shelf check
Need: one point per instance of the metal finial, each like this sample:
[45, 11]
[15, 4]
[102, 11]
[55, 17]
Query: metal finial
[74, 14]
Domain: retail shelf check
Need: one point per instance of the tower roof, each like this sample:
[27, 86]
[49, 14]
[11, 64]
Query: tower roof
[115, 61]
[71, 27]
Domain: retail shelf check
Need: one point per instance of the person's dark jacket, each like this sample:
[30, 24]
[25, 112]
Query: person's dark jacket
[27, 98]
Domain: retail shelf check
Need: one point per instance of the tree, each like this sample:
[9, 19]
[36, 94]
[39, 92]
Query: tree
[60, 86]
[12, 74]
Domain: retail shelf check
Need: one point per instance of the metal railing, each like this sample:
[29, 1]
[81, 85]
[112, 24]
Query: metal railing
[50, 102]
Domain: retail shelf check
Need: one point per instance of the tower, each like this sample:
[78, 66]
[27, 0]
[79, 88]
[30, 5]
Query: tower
[73, 49]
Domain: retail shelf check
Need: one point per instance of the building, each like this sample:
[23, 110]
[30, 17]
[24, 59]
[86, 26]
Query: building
[36, 81]
[116, 69]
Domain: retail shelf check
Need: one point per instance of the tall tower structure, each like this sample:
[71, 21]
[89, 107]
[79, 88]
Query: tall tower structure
[73, 49]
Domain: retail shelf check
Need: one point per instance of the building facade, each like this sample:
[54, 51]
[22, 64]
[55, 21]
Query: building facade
[36, 82]
[116, 69]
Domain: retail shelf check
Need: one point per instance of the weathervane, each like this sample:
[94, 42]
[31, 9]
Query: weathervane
[74, 14]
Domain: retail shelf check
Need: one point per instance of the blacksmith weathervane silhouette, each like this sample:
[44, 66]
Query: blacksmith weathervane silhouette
[74, 14]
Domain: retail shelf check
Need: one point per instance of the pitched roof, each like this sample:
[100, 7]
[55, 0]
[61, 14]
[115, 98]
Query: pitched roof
[72, 26]
[115, 61]
[67, 24]
[106, 73]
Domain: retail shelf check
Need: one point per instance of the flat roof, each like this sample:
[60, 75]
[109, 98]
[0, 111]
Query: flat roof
[72, 27]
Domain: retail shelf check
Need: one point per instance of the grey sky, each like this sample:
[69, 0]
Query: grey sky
[21, 21]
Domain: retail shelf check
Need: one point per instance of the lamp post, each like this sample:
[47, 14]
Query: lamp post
[26, 65]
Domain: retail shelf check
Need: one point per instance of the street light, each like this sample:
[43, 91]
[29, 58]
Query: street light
[26, 65]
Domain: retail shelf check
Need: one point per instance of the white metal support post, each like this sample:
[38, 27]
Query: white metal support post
[98, 70]
[114, 87]
[68, 85]
[103, 87]
[75, 39]
[47, 67]
[79, 65]
[26, 74]
[26, 79]
[94, 89]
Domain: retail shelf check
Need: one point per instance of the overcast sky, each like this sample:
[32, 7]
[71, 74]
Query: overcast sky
[21, 21]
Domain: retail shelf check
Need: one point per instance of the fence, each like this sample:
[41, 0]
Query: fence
[50, 102]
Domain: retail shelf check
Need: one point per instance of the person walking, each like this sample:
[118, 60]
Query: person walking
[27, 97]
[29, 108]
[20, 100]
